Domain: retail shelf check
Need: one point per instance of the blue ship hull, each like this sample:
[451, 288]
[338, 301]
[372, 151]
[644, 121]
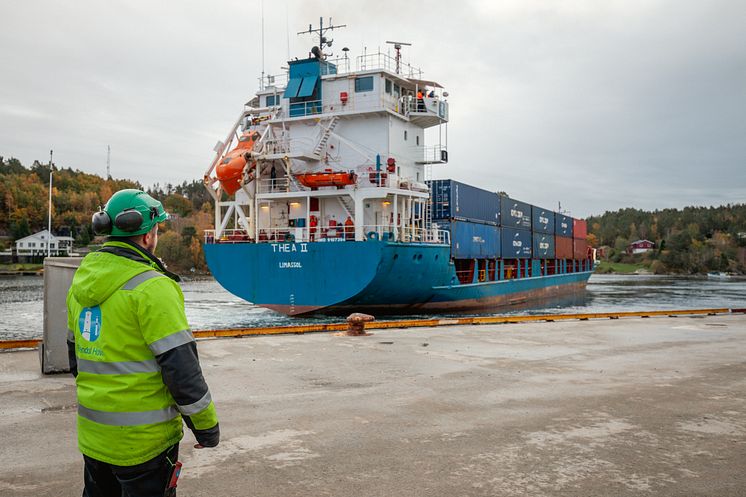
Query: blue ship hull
[372, 276]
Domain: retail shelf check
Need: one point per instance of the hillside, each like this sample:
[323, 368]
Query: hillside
[688, 241]
[693, 240]
[77, 195]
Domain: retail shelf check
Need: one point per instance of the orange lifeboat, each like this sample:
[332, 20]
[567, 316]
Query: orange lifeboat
[317, 180]
[231, 166]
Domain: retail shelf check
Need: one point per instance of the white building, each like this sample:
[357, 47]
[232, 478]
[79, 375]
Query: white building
[36, 245]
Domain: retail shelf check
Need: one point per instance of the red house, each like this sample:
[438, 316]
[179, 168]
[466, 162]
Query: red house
[640, 247]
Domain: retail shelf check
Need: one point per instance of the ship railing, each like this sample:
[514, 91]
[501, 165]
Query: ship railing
[276, 80]
[330, 233]
[276, 185]
[408, 234]
[434, 154]
[228, 236]
[291, 234]
[380, 60]
[370, 177]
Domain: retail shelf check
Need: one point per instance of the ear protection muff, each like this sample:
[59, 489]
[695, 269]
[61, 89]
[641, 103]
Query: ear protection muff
[101, 223]
[128, 220]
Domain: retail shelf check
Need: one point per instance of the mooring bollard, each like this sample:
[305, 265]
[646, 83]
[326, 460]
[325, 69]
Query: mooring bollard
[356, 323]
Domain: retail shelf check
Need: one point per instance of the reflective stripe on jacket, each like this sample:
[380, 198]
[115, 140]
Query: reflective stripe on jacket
[136, 361]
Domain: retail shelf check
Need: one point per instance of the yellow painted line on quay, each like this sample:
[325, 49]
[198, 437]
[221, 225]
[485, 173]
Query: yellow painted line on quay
[420, 323]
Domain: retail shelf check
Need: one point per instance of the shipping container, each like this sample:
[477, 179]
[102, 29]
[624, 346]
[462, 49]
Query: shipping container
[450, 199]
[473, 240]
[516, 244]
[580, 249]
[515, 214]
[542, 220]
[563, 247]
[562, 225]
[543, 246]
[579, 229]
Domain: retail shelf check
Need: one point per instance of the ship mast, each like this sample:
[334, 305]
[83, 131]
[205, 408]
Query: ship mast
[323, 40]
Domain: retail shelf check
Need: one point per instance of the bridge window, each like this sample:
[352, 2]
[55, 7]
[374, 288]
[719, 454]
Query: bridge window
[405, 135]
[388, 86]
[364, 84]
[273, 100]
[417, 140]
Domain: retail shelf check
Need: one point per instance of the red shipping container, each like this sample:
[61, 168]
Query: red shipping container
[579, 229]
[563, 247]
[580, 249]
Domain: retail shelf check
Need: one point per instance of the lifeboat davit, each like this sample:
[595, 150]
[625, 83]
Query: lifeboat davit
[317, 180]
[231, 167]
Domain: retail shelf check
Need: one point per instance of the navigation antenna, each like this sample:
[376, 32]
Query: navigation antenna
[323, 41]
[108, 161]
[397, 47]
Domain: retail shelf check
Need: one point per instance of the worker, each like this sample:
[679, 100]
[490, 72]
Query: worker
[349, 229]
[134, 358]
[273, 177]
[420, 102]
[313, 223]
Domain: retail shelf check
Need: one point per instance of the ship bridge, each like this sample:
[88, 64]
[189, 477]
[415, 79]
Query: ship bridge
[313, 87]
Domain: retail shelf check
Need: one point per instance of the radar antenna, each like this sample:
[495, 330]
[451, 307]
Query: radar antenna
[323, 41]
[397, 47]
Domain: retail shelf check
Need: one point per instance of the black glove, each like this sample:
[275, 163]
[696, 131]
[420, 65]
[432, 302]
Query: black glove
[206, 438]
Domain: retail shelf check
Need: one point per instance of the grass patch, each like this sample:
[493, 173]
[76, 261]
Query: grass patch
[619, 267]
[20, 267]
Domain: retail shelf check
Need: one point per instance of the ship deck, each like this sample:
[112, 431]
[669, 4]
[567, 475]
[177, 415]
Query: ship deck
[617, 407]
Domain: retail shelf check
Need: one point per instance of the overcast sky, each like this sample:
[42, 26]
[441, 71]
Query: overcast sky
[597, 104]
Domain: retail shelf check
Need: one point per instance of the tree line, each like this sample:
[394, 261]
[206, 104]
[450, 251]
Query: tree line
[76, 195]
[691, 240]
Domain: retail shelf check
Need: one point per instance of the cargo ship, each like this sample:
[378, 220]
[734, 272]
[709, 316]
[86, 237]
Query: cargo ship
[324, 202]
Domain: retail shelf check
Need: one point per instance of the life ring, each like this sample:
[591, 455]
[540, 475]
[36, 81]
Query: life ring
[372, 235]
[289, 237]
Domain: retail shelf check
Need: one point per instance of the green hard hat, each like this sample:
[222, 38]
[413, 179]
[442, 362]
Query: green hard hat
[127, 213]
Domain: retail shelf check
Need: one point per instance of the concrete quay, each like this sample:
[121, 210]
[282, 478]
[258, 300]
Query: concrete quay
[584, 408]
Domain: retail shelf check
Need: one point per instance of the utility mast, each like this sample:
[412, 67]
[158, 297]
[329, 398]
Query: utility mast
[108, 161]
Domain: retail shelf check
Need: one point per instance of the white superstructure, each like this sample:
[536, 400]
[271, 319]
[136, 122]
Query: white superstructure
[360, 131]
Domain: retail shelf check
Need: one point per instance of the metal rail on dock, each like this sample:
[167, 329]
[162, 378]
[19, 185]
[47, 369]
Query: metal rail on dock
[420, 323]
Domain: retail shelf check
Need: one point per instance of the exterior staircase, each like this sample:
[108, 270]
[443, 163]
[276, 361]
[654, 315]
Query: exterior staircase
[347, 204]
[324, 138]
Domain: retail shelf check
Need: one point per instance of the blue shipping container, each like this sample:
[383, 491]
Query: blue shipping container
[543, 246]
[453, 200]
[473, 240]
[562, 225]
[542, 220]
[515, 214]
[516, 244]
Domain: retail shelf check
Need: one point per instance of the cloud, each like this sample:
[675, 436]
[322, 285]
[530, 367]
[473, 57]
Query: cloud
[599, 105]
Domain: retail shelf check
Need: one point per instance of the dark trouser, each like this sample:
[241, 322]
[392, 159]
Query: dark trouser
[148, 479]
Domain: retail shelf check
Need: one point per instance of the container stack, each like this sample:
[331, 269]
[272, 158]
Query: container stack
[580, 242]
[543, 232]
[563, 237]
[515, 217]
[471, 214]
[485, 226]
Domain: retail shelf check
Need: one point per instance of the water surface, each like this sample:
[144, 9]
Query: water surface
[209, 306]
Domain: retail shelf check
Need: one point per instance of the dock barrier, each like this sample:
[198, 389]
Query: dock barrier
[420, 323]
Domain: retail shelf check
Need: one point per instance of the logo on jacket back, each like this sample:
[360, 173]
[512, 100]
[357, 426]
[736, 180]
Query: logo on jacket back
[89, 323]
